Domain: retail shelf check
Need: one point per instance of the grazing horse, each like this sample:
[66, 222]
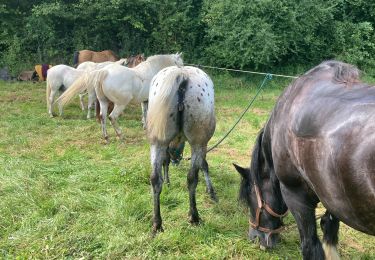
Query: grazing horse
[318, 145]
[120, 85]
[181, 104]
[60, 78]
[131, 62]
[88, 55]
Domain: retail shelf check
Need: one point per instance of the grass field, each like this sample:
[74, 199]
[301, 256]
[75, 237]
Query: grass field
[64, 194]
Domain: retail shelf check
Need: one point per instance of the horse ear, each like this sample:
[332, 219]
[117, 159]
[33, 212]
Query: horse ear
[245, 172]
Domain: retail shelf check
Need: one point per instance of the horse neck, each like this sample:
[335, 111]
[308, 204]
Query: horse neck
[150, 68]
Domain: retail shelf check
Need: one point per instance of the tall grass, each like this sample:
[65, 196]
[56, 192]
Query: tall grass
[64, 194]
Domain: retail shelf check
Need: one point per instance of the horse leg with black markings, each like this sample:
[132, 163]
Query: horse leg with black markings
[158, 155]
[209, 188]
[197, 158]
[303, 209]
[330, 227]
[166, 163]
[117, 110]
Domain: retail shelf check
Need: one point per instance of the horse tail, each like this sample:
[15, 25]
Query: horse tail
[87, 81]
[75, 59]
[48, 92]
[161, 104]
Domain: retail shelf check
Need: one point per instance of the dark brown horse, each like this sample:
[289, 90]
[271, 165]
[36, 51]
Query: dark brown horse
[87, 55]
[131, 62]
[318, 145]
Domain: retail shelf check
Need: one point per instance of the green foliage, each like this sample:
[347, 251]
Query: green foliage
[260, 34]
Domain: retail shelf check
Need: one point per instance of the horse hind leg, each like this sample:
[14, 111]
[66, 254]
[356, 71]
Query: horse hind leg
[330, 227]
[51, 98]
[91, 102]
[209, 188]
[117, 110]
[158, 155]
[197, 159]
[81, 101]
[103, 117]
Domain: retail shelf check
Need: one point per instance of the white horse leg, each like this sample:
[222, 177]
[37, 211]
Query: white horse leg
[81, 95]
[144, 114]
[116, 112]
[51, 98]
[91, 100]
[103, 117]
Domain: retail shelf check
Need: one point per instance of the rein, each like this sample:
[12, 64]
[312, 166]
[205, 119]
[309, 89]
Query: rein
[263, 205]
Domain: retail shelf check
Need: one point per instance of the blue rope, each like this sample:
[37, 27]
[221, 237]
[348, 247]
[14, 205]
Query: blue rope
[267, 78]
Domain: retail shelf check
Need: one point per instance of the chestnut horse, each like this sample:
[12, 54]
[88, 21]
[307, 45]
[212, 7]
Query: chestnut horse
[317, 146]
[98, 57]
[131, 62]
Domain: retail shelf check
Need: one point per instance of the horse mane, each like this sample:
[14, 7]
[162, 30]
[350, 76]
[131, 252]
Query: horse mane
[343, 73]
[254, 172]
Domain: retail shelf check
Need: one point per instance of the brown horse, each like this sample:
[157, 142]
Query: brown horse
[132, 61]
[87, 55]
[318, 145]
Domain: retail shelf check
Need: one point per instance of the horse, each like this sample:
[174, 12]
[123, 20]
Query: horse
[89, 66]
[60, 78]
[317, 146]
[120, 85]
[88, 55]
[181, 104]
[41, 70]
[131, 62]
[27, 76]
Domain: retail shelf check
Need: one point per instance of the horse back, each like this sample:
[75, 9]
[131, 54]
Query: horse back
[323, 141]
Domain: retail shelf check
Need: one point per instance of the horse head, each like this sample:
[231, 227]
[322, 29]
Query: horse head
[260, 191]
[178, 59]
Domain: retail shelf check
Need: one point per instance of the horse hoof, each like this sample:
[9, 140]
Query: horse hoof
[156, 229]
[194, 220]
[213, 197]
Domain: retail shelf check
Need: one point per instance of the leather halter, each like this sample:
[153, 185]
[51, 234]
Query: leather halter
[263, 205]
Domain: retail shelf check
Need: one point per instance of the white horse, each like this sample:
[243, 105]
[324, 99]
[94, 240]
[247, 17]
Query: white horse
[60, 78]
[181, 103]
[90, 66]
[121, 85]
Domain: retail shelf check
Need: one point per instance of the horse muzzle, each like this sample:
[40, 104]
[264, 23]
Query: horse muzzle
[266, 240]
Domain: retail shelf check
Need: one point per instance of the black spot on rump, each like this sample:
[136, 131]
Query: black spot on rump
[171, 115]
[199, 100]
[204, 90]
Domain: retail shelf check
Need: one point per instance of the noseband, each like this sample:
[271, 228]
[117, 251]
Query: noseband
[263, 205]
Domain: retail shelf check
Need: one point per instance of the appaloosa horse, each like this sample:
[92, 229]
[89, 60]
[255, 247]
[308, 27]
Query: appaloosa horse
[181, 105]
[88, 55]
[318, 145]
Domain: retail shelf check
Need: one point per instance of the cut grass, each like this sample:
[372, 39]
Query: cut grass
[63, 194]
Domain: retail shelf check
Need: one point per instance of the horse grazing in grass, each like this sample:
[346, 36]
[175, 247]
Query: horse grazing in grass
[41, 70]
[120, 85]
[88, 55]
[60, 78]
[181, 105]
[318, 145]
[131, 62]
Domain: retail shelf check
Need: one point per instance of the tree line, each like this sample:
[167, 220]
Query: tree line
[247, 34]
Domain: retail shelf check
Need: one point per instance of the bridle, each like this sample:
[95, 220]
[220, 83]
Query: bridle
[263, 205]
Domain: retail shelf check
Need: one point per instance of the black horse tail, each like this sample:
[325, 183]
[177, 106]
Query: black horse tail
[75, 59]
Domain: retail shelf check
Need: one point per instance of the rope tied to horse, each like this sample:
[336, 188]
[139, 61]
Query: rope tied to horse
[267, 78]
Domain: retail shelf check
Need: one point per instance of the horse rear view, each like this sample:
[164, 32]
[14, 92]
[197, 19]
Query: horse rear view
[181, 102]
[88, 55]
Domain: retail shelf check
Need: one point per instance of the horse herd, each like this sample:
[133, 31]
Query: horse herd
[317, 146]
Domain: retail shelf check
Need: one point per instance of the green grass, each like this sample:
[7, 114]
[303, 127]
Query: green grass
[64, 194]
